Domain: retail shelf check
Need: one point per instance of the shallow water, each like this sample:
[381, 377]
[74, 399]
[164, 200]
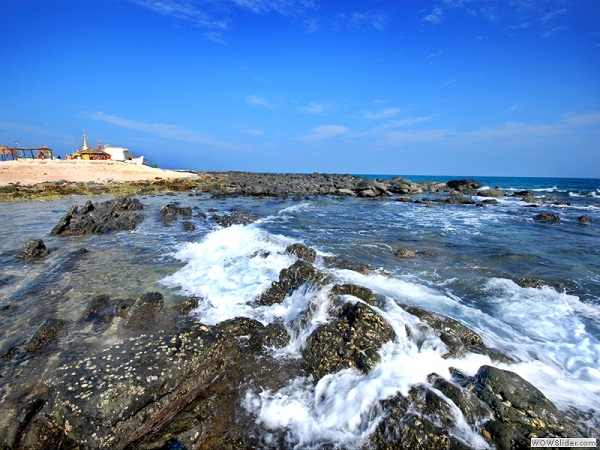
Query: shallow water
[468, 259]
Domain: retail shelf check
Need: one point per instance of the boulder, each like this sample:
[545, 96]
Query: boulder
[290, 279]
[464, 185]
[547, 217]
[171, 212]
[353, 339]
[33, 249]
[237, 218]
[584, 220]
[112, 215]
[273, 335]
[302, 252]
[363, 293]
[495, 192]
[520, 410]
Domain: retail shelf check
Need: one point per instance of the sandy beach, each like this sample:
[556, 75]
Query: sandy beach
[29, 172]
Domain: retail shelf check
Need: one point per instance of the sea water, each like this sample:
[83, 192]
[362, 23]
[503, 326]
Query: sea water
[468, 259]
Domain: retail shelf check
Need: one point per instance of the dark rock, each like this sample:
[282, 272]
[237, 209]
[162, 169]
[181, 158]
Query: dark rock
[188, 305]
[302, 252]
[467, 186]
[273, 335]
[33, 249]
[334, 262]
[583, 219]
[422, 420]
[458, 198]
[353, 339]
[490, 201]
[237, 218]
[46, 335]
[495, 192]
[240, 326]
[171, 212]
[188, 226]
[458, 338]
[113, 215]
[129, 391]
[148, 314]
[403, 186]
[547, 217]
[290, 279]
[404, 199]
[365, 294]
[520, 410]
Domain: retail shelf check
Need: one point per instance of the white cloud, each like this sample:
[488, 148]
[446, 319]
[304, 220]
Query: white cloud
[252, 131]
[257, 100]
[383, 114]
[168, 131]
[409, 121]
[185, 11]
[315, 108]
[436, 16]
[324, 132]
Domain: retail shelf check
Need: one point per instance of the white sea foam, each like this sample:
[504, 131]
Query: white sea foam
[539, 327]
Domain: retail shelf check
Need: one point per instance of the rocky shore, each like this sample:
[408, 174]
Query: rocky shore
[146, 376]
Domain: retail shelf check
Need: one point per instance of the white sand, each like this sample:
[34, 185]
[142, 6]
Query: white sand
[28, 172]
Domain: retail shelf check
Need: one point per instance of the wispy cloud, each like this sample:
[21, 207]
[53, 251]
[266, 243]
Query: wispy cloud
[435, 16]
[252, 131]
[407, 122]
[383, 114]
[186, 11]
[174, 132]
[315, 108]
[324, 132]
[257, 100]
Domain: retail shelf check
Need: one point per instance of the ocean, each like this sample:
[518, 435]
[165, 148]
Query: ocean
[467, 262]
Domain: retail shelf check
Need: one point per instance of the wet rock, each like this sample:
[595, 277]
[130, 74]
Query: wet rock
[334, 262]
[365, 294]
[583, 220]
[520, 410]
[188, 226]
[46, 335]
[240, 326]
[171, 213]
[273, 335]
[129, 391]
[112, 215]
[302, 252]
[33, 249]
[490, 201]
[422, 420]
[495, 192]
[547, 217]
[148, 314]
[405, 253]
[458, 338]
[353, 339]
[237, 218]
[371, 188]
[464, 185]
[188, 305]
[290, 279]
[403, 186]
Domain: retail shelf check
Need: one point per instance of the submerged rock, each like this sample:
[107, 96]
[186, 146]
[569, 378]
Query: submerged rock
[171, 212]
[547, 217]
[237, 218]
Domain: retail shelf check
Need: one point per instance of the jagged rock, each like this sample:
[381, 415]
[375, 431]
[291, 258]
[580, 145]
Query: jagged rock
[547, 217]
[353, 339]
[365, 294]
[273, 335]
[237, 218]
[520, 410]
[46, 335]
[147, 314]
[403, 186]
[422, 420]
[334, 262]
[188, 305]
[290, 279]
[33, 249]
[240, 326]
[467, 186]
[112, 215]
[302, 252]
[128, 391]
[170, 213]
[458, 338]
[188, 226]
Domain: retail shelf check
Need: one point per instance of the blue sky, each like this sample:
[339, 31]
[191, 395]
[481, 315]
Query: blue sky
[446, 87]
